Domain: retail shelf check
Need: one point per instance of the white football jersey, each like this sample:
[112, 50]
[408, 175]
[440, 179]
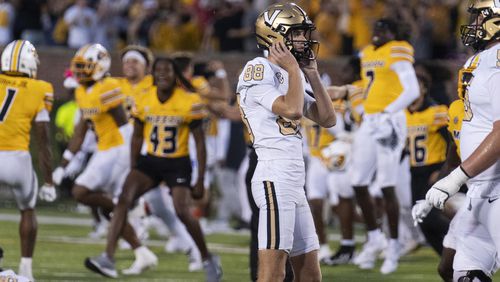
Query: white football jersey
[482, 109]
[274, 137]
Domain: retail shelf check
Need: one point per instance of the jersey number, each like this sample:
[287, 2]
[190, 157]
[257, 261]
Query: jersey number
[371, 75]
[418, 149]
[4, 109]
[287, 126]
[168, 144]
[316, 135]
[254, 72]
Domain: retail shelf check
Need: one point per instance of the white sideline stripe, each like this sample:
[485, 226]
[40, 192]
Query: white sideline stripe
[155, 243]
[43, 219]
[61, 220]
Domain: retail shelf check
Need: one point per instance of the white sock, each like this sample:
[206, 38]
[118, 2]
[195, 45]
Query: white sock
[347, 243]
[140, 250]
[374, 234]
[393, 243]
[26, 261]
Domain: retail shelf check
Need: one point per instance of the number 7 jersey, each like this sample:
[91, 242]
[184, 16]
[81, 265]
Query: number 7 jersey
[380, 82]
[167, 124]
[21, 99]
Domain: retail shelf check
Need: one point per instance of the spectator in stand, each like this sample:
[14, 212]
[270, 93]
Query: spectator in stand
[175, 31]
[28, 22]
[229, 18]
[140, 26]
[247, 30]
[327, 24]
[6, 21]
[82, 22]
[109, 17]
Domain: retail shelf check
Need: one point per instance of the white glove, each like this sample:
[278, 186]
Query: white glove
[420, 210]
[47, 193]
[442, 190]
[58, 175]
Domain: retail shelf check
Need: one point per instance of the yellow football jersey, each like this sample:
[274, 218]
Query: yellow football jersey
[130, 91]
[21, 99]
[356, 101]
[455, 116]
[380, 82]
[318, 137]
[94, 103]
[427, 145]
[166, 125]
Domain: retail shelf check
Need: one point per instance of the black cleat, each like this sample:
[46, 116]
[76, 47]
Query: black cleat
[343, 256]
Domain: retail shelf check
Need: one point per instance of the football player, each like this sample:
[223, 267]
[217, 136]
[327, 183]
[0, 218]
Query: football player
[427, 137]
[100, 100]
[273, 95]
[24, 101]
[390, 85]
[136, 65]
[478, 241]
[163, 120]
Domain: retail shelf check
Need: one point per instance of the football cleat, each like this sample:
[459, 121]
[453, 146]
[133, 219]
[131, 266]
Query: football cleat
[213, 269]
[144, 260]
[343, 256]
[371, 249]
[102, 265]
[391, 258]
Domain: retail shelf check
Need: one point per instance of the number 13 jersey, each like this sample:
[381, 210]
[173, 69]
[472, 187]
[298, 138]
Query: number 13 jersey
[273, 137]
[167, 124]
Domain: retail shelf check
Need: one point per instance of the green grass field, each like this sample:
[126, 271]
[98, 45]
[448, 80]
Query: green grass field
[61, 250]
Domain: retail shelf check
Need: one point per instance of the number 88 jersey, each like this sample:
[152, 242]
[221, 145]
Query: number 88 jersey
[167, 125]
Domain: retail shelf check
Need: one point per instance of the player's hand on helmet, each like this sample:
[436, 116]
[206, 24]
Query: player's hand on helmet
[280, 54]
[47, 193]
[58, 175]
[442, 190]
[198, 190]
[420, 210]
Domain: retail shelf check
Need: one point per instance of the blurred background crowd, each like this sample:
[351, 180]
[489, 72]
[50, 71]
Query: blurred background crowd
[344, 26]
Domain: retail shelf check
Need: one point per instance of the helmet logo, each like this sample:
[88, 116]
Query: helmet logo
[270, 20]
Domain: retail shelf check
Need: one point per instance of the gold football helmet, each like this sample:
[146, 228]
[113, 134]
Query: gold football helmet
[276, 23]
[20, 58]
[484, 25]
[90, 63]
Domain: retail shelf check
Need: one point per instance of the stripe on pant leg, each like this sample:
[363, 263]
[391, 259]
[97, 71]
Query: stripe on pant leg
[272, 216]
[268, 207]
[277, 218]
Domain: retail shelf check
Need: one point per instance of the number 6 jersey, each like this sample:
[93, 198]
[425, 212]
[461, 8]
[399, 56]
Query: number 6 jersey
[273, 137]
[167, 125]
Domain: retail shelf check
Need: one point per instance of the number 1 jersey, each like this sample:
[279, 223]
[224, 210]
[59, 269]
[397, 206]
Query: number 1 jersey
[21, 99]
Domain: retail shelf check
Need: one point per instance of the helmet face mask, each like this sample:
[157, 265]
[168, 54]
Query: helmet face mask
[280, 22]
[90, 63]
[484, 25]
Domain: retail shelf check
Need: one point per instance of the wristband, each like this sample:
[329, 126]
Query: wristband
[220, 73]
[67, 155]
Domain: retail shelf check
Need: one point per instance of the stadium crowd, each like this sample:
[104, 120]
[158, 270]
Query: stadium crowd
[344, 27]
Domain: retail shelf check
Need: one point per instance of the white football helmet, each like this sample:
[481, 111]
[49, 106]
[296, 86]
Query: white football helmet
[337, 155]
[20, 57]
[90, 63]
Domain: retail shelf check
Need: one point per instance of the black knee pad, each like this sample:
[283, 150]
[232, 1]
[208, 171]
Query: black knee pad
[474, 275]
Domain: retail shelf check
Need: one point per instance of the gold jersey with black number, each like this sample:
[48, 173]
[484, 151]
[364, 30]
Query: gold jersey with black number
[203, 88]
[21, 99]
[131, 91]
[355, 100]
[319, 137]
[380, 82]
[426, 144]
[166, 125]
[94, 103]
[455, 116]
